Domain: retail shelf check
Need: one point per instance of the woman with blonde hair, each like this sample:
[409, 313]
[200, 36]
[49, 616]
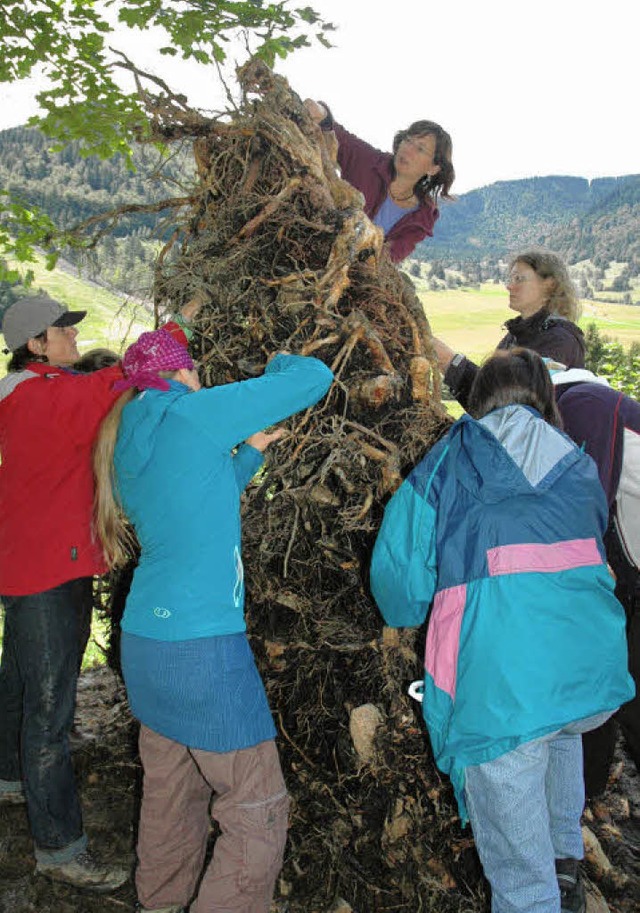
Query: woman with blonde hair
[541, 291]
[49, 419]
[168, 452]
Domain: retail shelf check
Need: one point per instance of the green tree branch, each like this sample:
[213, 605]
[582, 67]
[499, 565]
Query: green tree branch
[69, 43]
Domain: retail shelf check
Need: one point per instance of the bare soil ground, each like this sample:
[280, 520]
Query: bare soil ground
[109, 776]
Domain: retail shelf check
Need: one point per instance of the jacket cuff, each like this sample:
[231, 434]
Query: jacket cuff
[455, 372]
[184, 325]
[326, 124]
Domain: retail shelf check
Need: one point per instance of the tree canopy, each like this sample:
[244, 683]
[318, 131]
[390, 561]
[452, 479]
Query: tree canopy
[70, 43]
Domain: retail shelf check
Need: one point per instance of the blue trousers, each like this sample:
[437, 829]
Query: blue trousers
[38, 679]
[525, 809]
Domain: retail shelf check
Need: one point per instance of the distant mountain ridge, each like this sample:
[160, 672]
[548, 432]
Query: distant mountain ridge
[581, 219]
[597, 220]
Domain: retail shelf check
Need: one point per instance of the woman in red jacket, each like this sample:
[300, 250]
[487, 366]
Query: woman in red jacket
[400, 189]
[49, 418]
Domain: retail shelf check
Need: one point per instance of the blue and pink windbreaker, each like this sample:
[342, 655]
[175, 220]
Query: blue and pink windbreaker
[499, 530]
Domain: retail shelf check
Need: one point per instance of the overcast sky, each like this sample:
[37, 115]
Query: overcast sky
[536, 88]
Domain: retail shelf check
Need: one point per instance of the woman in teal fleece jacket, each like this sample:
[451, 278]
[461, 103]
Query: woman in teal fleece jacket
[499, 532]
[189, 671]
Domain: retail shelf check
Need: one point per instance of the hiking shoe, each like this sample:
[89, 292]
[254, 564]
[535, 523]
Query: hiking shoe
[572, 894]
[84, 872]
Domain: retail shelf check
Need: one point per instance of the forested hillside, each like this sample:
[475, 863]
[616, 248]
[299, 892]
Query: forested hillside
[609, 230]
[596, 221]
[70, 188]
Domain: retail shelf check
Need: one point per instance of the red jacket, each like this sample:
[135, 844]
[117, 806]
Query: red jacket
[371, 171]
[49, 419]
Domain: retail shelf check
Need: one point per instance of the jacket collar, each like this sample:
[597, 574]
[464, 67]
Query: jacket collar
[383, 166]
[530, 324]
[45, 370]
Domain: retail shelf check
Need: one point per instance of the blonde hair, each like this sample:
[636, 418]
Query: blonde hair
[118, 540]
[563, 300]
[114, 532]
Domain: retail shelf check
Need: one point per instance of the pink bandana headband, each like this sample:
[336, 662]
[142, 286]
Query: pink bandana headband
[153, 352]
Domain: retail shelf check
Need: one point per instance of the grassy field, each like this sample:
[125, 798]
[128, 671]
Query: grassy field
[471, 320]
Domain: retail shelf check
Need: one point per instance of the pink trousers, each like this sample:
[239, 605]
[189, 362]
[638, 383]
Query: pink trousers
[248, 799]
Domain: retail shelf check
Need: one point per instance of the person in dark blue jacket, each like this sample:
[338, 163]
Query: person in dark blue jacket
[498, 534]
[190, 674]
[606, 423]
[542, 293]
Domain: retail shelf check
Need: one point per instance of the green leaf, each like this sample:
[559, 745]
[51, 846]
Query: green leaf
[68, 42]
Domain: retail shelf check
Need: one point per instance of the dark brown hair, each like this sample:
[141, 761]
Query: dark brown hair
[431, 186]
[95, 360]
[514, 376]
[23, 356]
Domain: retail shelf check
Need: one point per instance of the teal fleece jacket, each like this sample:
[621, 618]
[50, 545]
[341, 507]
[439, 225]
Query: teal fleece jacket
[180, 485]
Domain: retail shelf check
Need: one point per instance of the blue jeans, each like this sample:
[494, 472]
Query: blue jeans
[525, 809]
[38, 678]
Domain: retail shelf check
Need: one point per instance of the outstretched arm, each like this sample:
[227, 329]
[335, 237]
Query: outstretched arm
[354, 154]
[248, 458]
[457, 370]
[234, 412]
[403, 566]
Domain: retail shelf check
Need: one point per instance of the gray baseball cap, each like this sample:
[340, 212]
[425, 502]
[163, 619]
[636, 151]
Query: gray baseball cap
[31, 316]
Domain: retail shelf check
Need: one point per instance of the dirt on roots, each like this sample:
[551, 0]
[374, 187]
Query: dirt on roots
[418, 843]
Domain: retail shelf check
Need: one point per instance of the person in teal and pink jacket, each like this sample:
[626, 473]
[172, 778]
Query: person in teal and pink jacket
[497, 535]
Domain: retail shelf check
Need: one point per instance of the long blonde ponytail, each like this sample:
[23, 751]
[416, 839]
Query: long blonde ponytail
[114, 533]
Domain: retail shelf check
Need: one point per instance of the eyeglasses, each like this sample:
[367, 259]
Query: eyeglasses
[418, 144]
[517, 279]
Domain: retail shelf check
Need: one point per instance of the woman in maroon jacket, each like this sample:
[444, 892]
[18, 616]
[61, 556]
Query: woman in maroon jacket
[49, 419]
[400, 189]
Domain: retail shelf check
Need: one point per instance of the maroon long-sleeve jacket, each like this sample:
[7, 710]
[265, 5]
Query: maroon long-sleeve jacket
[371, 171]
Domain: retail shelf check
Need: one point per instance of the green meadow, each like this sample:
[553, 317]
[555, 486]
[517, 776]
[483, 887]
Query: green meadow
[471, 320]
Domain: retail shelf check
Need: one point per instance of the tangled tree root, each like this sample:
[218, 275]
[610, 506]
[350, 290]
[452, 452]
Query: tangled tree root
[280, 250]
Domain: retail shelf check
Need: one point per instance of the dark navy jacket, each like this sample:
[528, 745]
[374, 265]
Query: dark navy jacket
[547, 334]
[606, 423]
